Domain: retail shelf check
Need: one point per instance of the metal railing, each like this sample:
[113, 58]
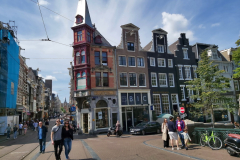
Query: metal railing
[219, 132]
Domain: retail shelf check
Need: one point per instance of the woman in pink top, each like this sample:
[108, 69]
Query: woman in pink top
[25, 126]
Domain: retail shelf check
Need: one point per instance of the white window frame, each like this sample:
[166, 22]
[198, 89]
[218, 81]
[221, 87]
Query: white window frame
[171, 63]
[185, 53]
[154, 62]
[143, 62]
[172, 79]
[165, 103]
[162, 79]
[120, 81]
[139, 80]
[225, 68]
[160, 50]
[130, 81]
[183, 94]
[160, 59]
[237, 85]
[156, 79]
[134, 61]
[194, 71]
[185, 69]
[180, 68]
[176, 98]
[125, 59]
[189, 92]
[160, 106]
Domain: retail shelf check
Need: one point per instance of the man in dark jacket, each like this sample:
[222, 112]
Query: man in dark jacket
[42, 132]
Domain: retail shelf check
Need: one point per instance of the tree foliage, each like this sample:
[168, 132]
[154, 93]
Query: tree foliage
[236, 59]
[210, 89]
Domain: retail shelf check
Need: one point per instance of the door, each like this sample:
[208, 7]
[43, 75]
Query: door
[124, 121]
[85, 123]
[129, 120]
[114, 119]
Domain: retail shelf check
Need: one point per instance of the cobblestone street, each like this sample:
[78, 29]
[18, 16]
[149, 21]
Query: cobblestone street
[103, 147]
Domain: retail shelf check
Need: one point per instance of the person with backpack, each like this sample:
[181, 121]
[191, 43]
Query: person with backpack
[180, 125]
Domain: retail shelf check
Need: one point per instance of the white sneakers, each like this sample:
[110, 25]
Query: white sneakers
[172, 148]
[178, 148]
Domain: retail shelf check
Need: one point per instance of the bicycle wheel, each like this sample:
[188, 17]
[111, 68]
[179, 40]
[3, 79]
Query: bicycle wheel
[215, 142]
[203, 140]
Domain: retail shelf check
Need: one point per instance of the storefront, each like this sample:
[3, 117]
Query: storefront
[134, 108]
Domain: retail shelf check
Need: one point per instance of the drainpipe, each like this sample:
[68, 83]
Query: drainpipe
[115, 54]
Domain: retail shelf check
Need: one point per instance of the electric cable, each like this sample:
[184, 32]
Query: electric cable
[42, 19]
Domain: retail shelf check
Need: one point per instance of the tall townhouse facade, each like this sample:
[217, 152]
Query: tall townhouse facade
[22, 93]
[94, 75]
[40, 99]
[162, 74]
[185, 67]
[218, 59]
[132, 79]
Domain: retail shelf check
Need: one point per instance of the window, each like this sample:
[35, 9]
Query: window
[98, 79]
[83, 56]
[97, 58]
[195, 71]
[225, 68]
[133, 79]
[77, 58]
[102, 119]
[105, 79]
[189, 92]
[174, 99]
[162, 79]
[171, 79]
[156, 103]
[123, 79]
[214, 55]
[185, 53]
[161, 62]
[165, 102]
[152, 61]
[160, 49]
[88, 37]
[187, 72]
[140, 62]
[236, 86]
[180, 72]
[142, 80]
[81, 81]
[104, 58]
[183, 92]
[79, 36]
[131, 61]
[122, 60]
[130, 46]
[154, 79]
[170, 63]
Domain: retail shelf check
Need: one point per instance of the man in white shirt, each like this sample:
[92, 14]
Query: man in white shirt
[20, 128]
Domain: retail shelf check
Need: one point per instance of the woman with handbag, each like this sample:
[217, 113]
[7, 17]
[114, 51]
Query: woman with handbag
[67, 136]
[165, 136]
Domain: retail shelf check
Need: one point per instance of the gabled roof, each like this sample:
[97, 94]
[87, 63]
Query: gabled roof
[148, 46]
[130, 25]
[160, 30]
[173, 47]
[104, 41]
[82, 10]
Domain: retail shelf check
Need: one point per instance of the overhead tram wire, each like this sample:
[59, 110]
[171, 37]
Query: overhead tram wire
[46, 40]
[42, 19]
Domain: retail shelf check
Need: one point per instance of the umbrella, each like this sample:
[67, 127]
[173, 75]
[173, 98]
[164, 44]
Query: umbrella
[165, 115]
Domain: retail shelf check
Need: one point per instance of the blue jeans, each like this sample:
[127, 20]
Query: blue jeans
[181, 137]
[67, 145]
[42, 143]
[8, 134]
[15, 135]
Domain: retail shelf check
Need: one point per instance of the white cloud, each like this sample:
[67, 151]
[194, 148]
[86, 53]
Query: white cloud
[57, 72]
[43, 2]
[201, 26]
[215, 24]
[175, 24]
[55, 17]
[55, 92]
[48, 77]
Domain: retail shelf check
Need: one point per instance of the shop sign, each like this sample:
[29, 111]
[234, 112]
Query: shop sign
[144, 98]
[124, 98]
[131, 98]
[138, 98]
[99, 115]
[103, 93]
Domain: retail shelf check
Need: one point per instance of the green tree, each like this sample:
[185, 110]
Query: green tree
[210, 88]
[236, 59]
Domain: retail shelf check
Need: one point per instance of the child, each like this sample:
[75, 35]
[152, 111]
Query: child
[186, 137]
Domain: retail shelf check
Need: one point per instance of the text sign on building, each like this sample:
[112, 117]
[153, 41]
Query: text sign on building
[131, 98]
[138, 98]
[182, 109]
[144, 98]
[124, 98]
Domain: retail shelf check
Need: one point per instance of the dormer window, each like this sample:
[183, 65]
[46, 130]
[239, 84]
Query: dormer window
[98, 39]
[130, 46]
[214, 55]
[79, 19]
[160, 48]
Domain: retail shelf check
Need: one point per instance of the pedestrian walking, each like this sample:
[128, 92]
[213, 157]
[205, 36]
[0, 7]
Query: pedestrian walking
[42, 132]
[67, 136]
[8, 129]
[35, 125]
[172, 132]
[25, 127]
[15, 130]
[20, 126]
[56, 138]
[180, 127]
[165, 136]
[46, 123]
[186, 138]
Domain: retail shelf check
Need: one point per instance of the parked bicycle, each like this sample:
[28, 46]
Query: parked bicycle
[213, 141]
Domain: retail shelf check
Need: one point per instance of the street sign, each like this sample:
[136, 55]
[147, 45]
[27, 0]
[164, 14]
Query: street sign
[152, 107]
[73, 109]
[182, 109]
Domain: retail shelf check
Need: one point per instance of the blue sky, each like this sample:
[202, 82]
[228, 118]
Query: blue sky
[215, 22]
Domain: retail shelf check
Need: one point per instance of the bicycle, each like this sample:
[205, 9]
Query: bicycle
[213, 141]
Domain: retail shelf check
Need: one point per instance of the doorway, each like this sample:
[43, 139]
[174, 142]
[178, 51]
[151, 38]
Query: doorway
[85, 122]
